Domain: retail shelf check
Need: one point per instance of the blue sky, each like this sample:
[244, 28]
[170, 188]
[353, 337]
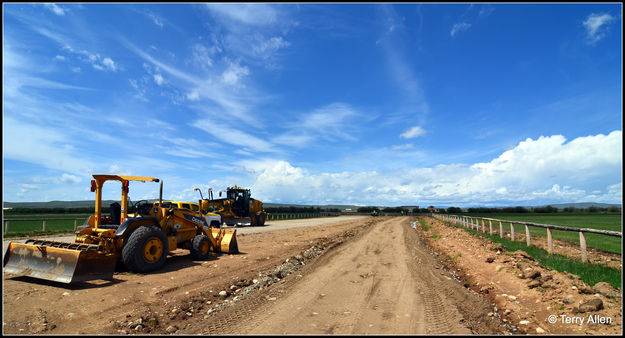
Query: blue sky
[367, 104]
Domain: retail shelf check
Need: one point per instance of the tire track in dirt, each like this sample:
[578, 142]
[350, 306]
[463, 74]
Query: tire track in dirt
[384, 281]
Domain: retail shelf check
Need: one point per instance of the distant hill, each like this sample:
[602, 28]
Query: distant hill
[583, 205]
[326, 206]
[53, 204]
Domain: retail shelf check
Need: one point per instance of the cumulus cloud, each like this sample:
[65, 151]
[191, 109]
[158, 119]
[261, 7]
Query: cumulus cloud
[543, 170]
[596, 27]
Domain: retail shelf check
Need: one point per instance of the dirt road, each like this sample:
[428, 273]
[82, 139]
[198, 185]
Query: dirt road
[384, 282]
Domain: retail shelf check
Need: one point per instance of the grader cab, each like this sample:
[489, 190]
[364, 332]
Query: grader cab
[140, 241]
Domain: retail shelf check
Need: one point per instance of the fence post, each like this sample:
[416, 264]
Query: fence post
[500, 229]
[511, 231]
[490, 226]
[483, 226]
[549, 241]
[44, 225]
[6, 227]
[527, 235]
[582, 246]
[75, 224]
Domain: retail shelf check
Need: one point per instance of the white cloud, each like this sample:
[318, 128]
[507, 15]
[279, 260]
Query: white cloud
[249, 14]
[70, 179]
[158, 78]
[234, 74]
[459, 27]
[266, 48]
[331, 122]
[193, 95]
[94, 59]
[55, 9]
[157, 21]
[109, 64]
[201, 56]
[234, 136]
[413, 132]
[595, 25]
[545, 170]
[43, 146]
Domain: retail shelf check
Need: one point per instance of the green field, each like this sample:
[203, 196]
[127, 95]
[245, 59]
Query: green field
[603, 221]
[35, 226]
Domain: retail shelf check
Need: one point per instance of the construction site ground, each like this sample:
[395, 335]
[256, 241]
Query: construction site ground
[360, 275]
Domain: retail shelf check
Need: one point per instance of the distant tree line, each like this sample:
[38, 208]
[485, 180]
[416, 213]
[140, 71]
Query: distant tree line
[392, 210]
[300, 210]
[520, 210]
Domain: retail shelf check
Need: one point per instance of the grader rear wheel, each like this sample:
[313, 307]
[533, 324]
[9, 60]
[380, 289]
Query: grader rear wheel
[145, 249]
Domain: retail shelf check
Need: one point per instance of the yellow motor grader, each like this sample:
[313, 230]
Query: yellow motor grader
[140, 241]
[238, 207]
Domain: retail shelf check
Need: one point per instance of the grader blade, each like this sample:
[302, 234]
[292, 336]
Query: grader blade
[226, 240]
[56, 261]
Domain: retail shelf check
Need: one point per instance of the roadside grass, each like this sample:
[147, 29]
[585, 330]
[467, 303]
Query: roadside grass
[574, 220]
[589, 273]
[452, 258]
[422, 222]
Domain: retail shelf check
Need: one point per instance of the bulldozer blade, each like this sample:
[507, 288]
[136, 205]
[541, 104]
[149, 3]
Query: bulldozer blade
[227, 240]
[61, 264]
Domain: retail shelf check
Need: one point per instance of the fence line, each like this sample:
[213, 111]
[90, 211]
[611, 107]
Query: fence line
[42, 220]
[468, 221]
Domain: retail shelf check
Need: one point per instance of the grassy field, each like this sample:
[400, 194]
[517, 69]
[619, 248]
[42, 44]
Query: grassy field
[589, 273]
[610, 221]
[33, 226]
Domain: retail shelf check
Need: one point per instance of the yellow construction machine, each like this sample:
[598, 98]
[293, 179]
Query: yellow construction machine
[238, 207]
[140, 241]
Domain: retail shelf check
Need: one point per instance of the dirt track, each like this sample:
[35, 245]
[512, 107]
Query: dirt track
[384, 282]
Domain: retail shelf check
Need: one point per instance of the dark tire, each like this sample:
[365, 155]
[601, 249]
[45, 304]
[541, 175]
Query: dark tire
[253, 220]
[200, 247]
[261, 220]
[145, 249]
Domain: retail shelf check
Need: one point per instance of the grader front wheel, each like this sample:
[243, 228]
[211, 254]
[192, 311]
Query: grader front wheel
[200, 247]
[145, 250]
